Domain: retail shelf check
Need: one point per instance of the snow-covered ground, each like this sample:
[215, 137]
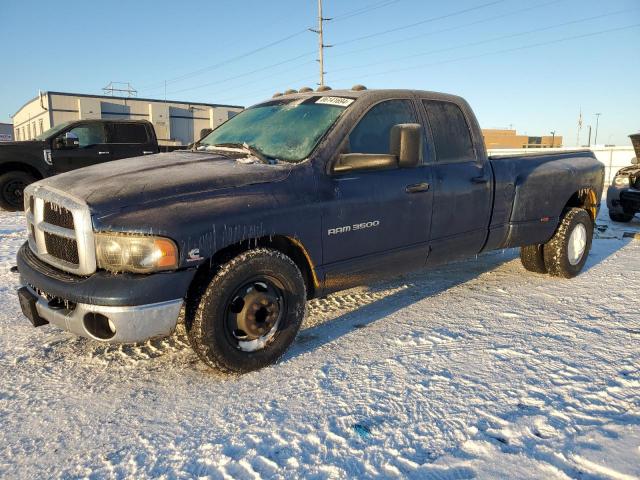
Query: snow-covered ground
[478, 369]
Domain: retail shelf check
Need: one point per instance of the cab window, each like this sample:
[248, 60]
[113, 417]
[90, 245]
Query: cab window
[372, 134]
[88, 134]
[128, 133]
[451, 134]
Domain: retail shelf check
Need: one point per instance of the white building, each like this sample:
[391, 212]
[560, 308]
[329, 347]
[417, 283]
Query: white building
[176, 123]
[6, 132]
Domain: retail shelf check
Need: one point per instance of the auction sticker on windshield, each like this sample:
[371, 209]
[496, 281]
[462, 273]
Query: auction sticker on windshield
[337, 101]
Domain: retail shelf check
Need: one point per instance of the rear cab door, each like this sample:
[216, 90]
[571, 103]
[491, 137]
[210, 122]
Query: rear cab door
[376, 222]
[463, 182]
[131, 139]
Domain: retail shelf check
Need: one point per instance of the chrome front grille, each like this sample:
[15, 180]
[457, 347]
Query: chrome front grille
[60, 229]
[57, 215]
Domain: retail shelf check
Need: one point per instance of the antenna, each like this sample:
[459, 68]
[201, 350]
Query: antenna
[120, 87]
[579, 128]
[321, 45]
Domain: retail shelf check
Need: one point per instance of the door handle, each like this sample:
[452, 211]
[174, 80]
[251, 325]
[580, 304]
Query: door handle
[103, 153]
[417, 187]
[480, 179]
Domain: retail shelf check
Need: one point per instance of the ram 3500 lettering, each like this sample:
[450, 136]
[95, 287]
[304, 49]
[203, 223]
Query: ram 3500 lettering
[293, 198]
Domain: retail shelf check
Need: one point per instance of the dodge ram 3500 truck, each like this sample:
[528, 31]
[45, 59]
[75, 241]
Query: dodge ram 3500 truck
[68, 146]
[294, 198]
[623, 195]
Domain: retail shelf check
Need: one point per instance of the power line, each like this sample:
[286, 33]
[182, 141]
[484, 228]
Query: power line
[494, 39]
[496, 52]
[422, 22]
[233, 59]
[257, 70]
[360, 11]
[344, 16]
[449, 29]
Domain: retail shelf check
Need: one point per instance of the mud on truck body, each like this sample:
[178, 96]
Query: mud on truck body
[293, 198]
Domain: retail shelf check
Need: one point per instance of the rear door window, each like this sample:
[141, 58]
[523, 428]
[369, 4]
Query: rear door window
[451, 133]
[128, 133]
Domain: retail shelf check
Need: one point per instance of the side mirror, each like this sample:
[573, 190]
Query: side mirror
[634, 161]
[406, 144]
[68, 140]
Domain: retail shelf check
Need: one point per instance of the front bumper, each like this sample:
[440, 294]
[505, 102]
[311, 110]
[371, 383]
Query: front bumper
[112, 324]
[625, 199]
[118, 308]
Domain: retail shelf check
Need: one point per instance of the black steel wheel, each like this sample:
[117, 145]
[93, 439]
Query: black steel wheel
[249, 313]
[12, 185]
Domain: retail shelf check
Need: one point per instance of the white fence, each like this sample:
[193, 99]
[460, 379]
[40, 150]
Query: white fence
[614, 158]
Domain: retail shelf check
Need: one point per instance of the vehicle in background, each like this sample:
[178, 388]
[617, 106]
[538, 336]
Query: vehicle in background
[68, 146]
[294, 198]
[623, 195]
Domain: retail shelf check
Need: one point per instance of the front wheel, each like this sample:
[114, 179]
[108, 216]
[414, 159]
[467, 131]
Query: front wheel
[12, 185]
[566, 253]
[249, 313]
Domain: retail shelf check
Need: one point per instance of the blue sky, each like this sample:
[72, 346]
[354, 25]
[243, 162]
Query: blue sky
[531, 65]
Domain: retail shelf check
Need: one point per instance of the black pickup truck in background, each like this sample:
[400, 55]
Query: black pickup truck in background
[68, 146]
[294, 198]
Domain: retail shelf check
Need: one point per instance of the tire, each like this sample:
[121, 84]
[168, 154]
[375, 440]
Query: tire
[532, 258]
[563, 256]
[620, 217]
[249, 313]
[12, 185]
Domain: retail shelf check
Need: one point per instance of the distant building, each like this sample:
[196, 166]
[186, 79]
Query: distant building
[6, 132]
[176, 123]
[496, 138]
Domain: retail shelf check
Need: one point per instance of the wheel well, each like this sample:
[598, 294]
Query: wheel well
[584, 198]
[20, 167]
[287, 245]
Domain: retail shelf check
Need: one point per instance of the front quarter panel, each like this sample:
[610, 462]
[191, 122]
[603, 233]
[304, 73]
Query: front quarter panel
[203, 225]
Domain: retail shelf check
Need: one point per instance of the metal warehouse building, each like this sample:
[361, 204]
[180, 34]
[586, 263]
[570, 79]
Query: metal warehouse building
[176, 123]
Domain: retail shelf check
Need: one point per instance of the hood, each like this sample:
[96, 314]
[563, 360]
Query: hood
[8, 148]
[25, 144]
[31, 151]
[164, 177]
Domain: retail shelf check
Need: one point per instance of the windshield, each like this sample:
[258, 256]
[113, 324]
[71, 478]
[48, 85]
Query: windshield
[285, 130]
[52, 131]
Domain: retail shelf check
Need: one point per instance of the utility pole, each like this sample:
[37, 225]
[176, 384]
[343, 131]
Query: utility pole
[589, 142]
[553, 138]
[595, 139]
[321, 45]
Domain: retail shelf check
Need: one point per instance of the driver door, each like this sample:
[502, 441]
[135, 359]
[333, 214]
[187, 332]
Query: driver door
[377, 222]
[82, 145]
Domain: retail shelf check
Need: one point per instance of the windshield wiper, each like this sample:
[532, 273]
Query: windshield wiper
[244, 147]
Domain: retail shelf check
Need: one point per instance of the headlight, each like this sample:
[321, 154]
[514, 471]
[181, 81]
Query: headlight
[621, 181]
[135, 253]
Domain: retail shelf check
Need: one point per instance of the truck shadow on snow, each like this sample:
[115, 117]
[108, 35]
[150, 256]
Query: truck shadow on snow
[367, 306]
[332, 317]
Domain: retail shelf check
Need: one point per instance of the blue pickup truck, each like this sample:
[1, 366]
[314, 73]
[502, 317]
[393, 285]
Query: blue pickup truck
[294, 198]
